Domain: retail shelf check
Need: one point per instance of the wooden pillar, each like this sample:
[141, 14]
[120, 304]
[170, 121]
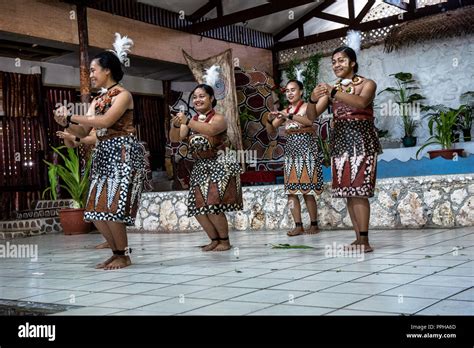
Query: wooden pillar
[85, 83]
[167, 103]
[276, 72]
[170, 165]
[276, 80]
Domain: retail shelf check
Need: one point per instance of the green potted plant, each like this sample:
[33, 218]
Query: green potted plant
[69, 177]
[405, 98]
[440, 124]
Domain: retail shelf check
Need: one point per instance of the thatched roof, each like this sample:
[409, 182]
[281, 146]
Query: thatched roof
[452, 23]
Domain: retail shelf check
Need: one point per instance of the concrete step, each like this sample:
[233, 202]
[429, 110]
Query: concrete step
[20, 234]
[52, 204]
[38, 213]
[27, 227]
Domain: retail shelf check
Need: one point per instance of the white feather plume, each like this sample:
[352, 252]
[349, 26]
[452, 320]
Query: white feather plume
[212, 75]
[122, 47]
[353, 40]
[299, 74]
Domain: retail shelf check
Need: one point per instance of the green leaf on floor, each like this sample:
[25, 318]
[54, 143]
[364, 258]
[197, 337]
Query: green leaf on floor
[289, 246]
[427, 257]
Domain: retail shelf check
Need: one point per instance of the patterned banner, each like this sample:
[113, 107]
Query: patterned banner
[224, 90]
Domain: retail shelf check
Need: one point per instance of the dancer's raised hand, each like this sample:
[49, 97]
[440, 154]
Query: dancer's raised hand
[60, 115]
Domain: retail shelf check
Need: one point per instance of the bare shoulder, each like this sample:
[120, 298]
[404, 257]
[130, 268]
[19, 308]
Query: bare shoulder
[302, 110]
[218, 117]
[124, 93]
[125, 97]
[370, 83]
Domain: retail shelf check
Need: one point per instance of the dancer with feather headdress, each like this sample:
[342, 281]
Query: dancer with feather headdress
[354, 140]
[214, 186]
[302, 168]
[118, 166]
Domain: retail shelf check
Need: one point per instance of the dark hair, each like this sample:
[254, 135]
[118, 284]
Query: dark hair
[299, 83]
[350, 53]
[109, 60]
[209, 90]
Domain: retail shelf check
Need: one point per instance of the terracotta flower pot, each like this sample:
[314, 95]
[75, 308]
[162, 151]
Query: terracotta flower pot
[72, 221]
[445, 153]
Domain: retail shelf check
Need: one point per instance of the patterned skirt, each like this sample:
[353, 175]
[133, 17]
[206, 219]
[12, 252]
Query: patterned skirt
[354, 158]
[117, 176]
[215, 186]
[303, 171]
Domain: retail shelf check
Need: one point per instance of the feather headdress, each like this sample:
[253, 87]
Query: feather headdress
[122, 46]
[212, 75]
[299, 75]
[353, 40]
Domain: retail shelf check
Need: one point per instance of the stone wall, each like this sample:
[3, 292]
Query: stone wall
[411, 202]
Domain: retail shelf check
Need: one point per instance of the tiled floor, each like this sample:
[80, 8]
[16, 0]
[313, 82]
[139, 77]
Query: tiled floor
[426, 272]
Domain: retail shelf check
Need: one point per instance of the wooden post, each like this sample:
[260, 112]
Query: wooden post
[85, 83]
[84, 80]
[276, 72]
[170, 165]
[167, 102]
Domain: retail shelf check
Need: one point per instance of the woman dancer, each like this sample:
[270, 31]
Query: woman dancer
[303, 171]
[355, 143]
[118, 162]
[215, 178]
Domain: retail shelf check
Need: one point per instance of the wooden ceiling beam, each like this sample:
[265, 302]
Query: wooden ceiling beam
[203, 10]
[333, 18]
[246, 15]
[350, 5]
[301, 21]
[365, 10]
[375, 24]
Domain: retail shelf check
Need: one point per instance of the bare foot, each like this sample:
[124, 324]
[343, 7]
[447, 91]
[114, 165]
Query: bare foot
[119, 262]
[223, 245]
[295, 232]
[312, 230]
[354, 245]
[356, 242]
[364, 245]
[106, 262]
[104, 245]
[210, 246]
